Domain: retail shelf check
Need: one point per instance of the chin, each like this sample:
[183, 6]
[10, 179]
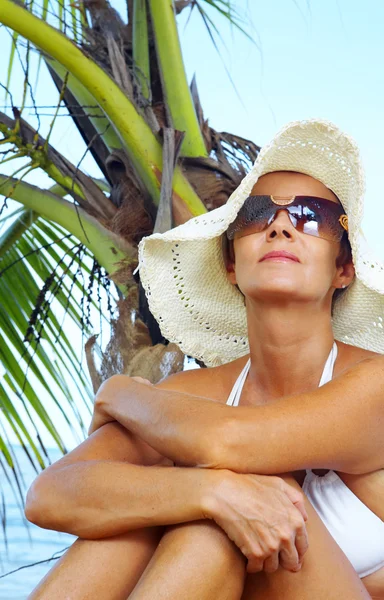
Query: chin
[274, 291]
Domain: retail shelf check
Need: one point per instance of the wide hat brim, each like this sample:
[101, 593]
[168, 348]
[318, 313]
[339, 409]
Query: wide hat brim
[183, 273]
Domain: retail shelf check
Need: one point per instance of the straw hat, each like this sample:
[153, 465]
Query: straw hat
[183, 272]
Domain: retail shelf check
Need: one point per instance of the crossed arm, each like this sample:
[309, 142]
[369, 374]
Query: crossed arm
[337, 426]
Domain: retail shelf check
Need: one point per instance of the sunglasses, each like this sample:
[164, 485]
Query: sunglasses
[308, 214]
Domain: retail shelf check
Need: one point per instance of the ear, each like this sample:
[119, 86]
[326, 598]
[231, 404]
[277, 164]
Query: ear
[345, 275]
[229, 259]
[231, 275]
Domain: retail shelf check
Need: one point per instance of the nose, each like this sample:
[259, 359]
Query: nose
[281, 224]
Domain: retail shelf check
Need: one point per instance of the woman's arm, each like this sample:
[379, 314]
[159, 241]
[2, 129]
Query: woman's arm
[337, 426]
[97, 491]
[88, 495]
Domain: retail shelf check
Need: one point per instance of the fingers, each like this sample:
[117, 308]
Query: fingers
[287, 550]
[301, 536]
[142, 380]
[271, 564]
[267, 556]
[294, 543]
[300, 531]
[289, 556]
[296, 497]
[266, 522]
[301, 542]
[257, 554]
[255, 564]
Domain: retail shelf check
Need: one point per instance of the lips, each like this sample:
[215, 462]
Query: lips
[280, 254]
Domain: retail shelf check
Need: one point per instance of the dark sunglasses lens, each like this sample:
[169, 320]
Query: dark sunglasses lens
[314, 216]
[321, 218]
[306, 219]
[253, 217]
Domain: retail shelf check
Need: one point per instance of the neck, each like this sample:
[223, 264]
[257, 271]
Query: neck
[288, 347]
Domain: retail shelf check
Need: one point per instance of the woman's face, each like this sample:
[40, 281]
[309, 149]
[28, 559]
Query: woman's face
[314, 275]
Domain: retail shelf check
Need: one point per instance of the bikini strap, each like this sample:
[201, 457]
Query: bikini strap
[325, 378]
[234, 396]
[328, 367]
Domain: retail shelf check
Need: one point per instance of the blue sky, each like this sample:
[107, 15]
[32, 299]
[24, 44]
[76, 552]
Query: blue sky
[312, 59]
[316, 59]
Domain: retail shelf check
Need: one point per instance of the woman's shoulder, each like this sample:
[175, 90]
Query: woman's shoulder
[214, 383]
[349, 356]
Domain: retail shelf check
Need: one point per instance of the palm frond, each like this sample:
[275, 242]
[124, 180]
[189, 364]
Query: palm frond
[45, 281]
[60, 251]
[43, 386]
[227, 9]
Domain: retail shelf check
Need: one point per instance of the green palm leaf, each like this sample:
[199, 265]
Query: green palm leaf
[60, 249]
[48, 362]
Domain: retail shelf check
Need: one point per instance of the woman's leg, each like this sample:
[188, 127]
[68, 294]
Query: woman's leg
[108, 568]
[326, 573]
[199, 561]
[193, 561]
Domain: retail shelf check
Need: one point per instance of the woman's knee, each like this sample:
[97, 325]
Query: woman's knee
[209, 540]
[193, 560]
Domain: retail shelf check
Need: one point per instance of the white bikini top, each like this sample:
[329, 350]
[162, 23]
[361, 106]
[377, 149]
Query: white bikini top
[354, 527]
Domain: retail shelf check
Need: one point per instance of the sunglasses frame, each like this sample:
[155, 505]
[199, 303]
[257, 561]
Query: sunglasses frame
[288, 201]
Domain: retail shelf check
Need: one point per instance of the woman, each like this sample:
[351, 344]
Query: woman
[281, 343]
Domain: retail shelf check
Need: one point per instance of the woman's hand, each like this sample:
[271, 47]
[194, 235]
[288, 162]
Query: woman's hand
[103, 401]
[264, 516]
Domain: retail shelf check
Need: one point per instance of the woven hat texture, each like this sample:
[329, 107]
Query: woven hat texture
[183, 272]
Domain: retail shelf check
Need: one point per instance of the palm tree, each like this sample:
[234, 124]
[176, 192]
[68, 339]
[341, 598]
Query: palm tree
[73, 245]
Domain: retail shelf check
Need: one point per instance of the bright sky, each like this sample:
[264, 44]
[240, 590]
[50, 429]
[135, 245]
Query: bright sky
[314, 59]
